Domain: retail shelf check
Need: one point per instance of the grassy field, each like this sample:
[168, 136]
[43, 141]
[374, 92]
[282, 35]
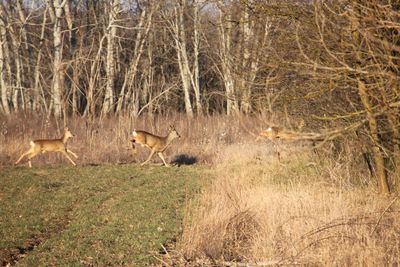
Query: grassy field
[238, 202]
[92, 216]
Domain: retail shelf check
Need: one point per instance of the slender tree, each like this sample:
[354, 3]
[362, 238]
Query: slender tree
[111, 32]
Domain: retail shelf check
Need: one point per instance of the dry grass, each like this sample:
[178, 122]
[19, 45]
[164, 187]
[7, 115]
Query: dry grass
[106, 141]
[266, 212]
[309, 208]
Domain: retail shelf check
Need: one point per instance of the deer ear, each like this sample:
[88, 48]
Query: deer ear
[66, 128]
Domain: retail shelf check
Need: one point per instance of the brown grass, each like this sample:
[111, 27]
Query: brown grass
[314, 207]
[303, 210]
[106, 141]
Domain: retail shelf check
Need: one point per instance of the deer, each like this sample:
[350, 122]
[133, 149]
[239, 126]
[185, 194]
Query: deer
[279, 133]
[49, 145]
[276, 132]
[156, 144]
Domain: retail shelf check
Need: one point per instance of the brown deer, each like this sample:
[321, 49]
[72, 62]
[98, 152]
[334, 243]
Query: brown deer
[49, 145]
[276, 132]
[154, 143]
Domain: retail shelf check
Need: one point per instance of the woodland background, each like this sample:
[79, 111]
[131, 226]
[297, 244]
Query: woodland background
[220, 71]
[332, 64]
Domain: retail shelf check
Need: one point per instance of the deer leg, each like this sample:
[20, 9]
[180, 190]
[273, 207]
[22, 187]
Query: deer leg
[30, 156]
[72, 153]
[22, 156]
[162, 158]
[30, 153]
[68, 157]
[151, 155]
[134, 150]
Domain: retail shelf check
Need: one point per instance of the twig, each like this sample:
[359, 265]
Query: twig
[381, 216]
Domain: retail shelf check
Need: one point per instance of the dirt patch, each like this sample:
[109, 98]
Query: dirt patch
[11, 256]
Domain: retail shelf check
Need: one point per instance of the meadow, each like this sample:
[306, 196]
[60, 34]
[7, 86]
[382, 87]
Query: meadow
[92, 215]
[228, 200]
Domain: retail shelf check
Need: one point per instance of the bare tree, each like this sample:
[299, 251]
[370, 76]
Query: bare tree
[57, 8]
[4, 57]
[226, 57]
[111, 32]
[178, 31]
[351, 56]
[128, 90]
[196, 50]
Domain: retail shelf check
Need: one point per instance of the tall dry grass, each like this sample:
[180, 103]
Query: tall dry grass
[103, 141]
[307, 209]
[313, 207]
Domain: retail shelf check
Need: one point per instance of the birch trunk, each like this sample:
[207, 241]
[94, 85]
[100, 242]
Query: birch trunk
[252, 50]
[5, 69]
[225, 57]
[57, 87]
[183, 61]
[17, 77]
[244, 85]
[110, 63]
[37, 88]
[22, 18]
[51, 10]
[196, 48]
[3, 77]
[26, 61]
[69, 19]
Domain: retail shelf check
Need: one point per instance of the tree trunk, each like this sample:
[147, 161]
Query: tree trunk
[94, 73]
[141, 37]
[373, 129]
[57, 87]
[377, 155]
[183, 61]
[3, 79]
[26, 59]
[244, 85]
[196, 47]
[37, 88]
[4, 85]
[110, 63]
[17, 77]
[225, 57]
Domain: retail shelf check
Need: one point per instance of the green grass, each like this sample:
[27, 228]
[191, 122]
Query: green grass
[102, 216]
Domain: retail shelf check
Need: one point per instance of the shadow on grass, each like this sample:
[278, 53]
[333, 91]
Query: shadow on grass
[184, 159]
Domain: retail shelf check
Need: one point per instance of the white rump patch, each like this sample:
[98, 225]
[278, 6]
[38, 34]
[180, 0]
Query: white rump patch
[269, 129]
[32, 143]
[134, 133]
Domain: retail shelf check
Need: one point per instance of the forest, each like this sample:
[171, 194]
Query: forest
[331, 64]
[221, 71]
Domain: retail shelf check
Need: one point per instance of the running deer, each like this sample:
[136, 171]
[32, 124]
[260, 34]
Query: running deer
[154, 143]
[49, 145]
[275, 132]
